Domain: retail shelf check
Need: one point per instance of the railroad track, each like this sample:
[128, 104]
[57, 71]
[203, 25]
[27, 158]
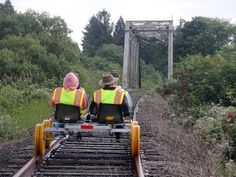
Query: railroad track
[93, 155]
[16, 156]
[150, 159]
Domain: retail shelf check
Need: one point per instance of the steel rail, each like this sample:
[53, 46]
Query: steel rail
[28, 169]
[139, 167]
[137, 159]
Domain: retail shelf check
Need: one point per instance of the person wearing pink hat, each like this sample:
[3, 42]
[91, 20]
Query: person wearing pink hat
[69, 94]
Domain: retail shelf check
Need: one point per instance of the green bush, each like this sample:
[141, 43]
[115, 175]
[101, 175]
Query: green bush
[167, 87]
[22, 106]
[111, 52]
[150, 78]
[228, 125]
[10, 98]
[202, 92]
[208, 79]
[7, 130]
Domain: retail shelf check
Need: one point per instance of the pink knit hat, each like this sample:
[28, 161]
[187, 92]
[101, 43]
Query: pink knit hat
[71, 81]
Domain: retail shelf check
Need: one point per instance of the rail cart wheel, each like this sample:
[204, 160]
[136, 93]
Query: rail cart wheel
[135, 138]
[48, 123]
[36, 140]
[42, 142]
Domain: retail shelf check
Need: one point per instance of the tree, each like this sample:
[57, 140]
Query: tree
[8, 20]
[107, 58]
[155, 53]
[37, 44]
[111, 52]
[9, 25]
[98, 32]
[119, 33]
[202, 36]
[33, 22]
[7, 8]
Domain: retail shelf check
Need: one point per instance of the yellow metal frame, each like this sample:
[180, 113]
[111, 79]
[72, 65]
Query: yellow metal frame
[48, 123]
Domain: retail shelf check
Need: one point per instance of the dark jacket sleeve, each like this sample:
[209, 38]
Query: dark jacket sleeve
[125, 107]
[93, 108]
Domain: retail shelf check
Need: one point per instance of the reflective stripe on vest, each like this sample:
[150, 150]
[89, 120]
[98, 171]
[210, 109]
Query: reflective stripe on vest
[63, 96]
[57, 95]
[98, 96]
[82, 96]
[115, 96]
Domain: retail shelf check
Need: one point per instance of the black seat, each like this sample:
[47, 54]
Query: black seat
[67, 113]
[110, 114]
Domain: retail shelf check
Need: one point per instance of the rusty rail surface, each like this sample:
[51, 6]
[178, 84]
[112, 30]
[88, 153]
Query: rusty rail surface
[28, 169]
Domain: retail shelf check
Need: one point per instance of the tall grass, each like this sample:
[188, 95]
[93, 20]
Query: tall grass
[21, 108]
[31, 113]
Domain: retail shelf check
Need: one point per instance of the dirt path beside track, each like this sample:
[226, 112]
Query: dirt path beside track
[168, 149]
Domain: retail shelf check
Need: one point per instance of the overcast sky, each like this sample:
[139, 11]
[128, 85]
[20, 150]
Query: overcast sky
[77, 13]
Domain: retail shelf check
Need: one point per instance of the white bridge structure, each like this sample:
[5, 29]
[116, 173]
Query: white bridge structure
[135, 31]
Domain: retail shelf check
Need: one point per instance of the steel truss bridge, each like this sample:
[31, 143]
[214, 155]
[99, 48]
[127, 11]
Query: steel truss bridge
[135, 31]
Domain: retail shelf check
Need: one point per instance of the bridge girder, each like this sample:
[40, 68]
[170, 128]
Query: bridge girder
[135, 31]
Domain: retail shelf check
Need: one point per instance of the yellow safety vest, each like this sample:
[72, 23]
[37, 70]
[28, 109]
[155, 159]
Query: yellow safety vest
[73, 97]
[115, 96]
[82, 112]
